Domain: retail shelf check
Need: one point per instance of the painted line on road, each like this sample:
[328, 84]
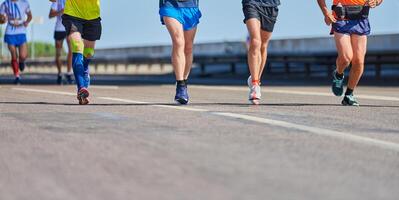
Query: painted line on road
[317, 131]
[105, 87]
[283, 124]
[154, 105]
[44, 91]
[305, 93]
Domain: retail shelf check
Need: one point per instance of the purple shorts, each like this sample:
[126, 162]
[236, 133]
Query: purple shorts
[349, 27]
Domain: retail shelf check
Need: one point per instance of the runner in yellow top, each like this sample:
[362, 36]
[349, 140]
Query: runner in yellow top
[83, 26]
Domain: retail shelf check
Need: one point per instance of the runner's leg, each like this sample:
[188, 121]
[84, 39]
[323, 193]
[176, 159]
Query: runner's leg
[255, 44]
[188, 50]
[359, 46]
[58, 52]
[265, 36]
[14, 61]
[69, 56]
[77, 58]
[345, 52]
[88, 54]
[176, 32]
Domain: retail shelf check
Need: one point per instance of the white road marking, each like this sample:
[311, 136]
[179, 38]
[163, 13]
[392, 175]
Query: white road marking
[106, 87]
[44, 91]
[314, 130]
[155, 105]
[318, 131]
[306, 93]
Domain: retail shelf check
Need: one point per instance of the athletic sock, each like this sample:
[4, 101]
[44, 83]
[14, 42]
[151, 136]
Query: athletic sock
[186, 81]
[339, 76]
[15, 67]
[349, 91]
[180, 82]
[86, 68]
[255, 82]
[78, 69]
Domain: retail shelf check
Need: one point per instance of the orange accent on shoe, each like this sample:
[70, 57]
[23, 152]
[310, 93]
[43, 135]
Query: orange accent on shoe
[255, 82]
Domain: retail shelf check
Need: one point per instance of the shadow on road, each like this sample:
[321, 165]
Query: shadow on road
[233, 80]
[195, 104]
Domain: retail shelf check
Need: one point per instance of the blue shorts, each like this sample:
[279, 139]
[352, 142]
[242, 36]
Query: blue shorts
[188, 17]
[15, 40]
[349, 27]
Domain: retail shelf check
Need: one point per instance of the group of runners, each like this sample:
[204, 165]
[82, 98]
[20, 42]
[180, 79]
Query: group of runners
[79, 22]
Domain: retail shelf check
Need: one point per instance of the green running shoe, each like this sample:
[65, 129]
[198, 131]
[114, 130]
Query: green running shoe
[350, 100]
[337, 85]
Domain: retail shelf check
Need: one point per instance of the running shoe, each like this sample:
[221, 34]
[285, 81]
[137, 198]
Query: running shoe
[337, 85]
[83, 96]
[350, 100]
[181, 94]
[69, 78]
[22, 66]
[59, 79]
[255, 94]
[249, 81]
[17, 80]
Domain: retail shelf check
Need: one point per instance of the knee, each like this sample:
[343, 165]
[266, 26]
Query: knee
[263, 47]
[77, 46]
[178, 42]
[88, 52]
[255, 45]
[358, 61]
[345, 59]
[22, 58]
[188, 49]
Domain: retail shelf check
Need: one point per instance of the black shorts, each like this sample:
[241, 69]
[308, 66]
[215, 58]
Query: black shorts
[266, 15]
[60, 35]
[89, 29]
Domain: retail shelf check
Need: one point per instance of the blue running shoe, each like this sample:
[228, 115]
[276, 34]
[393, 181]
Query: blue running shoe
[17, 80]
[350, 100]
[181, 94]
[337, 85]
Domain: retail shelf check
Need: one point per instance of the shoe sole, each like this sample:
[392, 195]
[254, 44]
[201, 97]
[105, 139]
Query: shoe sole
[181, 101]
[338, 94]
[347, 104]
[255, 101]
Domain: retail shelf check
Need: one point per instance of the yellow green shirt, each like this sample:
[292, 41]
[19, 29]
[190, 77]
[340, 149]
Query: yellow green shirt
[84, 9]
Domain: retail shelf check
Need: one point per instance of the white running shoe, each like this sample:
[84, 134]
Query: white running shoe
[255, 94]
[249, 81]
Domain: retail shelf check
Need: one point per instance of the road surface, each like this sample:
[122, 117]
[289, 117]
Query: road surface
[132, 142]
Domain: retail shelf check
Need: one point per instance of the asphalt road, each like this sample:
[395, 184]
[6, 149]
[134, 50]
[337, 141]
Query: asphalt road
[132, 142]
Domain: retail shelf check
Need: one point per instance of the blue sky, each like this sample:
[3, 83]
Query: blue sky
[136, 22]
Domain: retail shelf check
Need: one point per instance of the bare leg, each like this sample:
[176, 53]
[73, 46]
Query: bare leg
[69, 57]
[345, 52]
[188, 51]
[23, 53]
[359, 45]
[254, 53]
[265, 36]
[58, 51]
[178, 57]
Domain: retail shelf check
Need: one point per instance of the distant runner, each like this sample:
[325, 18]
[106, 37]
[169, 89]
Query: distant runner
[83, 26]
[18, 15]
[57, 10]
[181, 18]
[260, 18]
[350, 27]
